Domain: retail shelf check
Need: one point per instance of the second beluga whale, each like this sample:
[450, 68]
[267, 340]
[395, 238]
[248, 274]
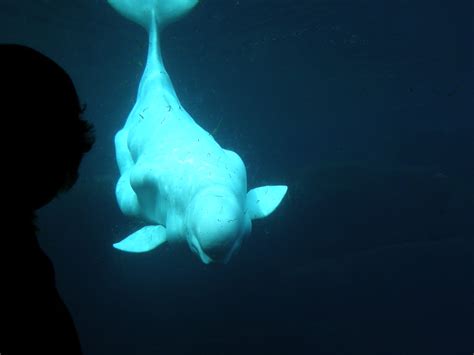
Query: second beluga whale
[173, 174]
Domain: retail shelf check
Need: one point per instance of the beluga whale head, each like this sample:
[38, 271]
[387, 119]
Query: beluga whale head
[216, 224]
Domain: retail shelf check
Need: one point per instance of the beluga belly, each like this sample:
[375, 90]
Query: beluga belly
[173, 174]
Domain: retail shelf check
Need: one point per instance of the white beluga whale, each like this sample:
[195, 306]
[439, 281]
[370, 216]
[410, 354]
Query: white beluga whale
[173, 174]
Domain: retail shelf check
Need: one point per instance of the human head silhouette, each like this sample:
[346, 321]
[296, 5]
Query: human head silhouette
[43, 135]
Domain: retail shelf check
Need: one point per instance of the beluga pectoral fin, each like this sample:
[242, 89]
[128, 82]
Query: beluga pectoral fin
[262, 201]
[143, 240]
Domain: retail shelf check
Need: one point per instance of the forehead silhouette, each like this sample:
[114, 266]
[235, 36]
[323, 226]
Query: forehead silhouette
[31, 82]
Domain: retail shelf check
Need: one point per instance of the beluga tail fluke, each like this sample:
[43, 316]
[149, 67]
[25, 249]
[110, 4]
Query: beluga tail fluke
[173, 174]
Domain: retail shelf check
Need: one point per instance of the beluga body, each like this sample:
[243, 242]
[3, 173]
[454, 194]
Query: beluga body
[173, 174]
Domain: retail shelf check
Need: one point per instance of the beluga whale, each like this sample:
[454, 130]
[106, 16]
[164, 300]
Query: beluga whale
[174, 176]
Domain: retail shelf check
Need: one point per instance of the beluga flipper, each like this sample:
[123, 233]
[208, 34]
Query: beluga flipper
[173, 174]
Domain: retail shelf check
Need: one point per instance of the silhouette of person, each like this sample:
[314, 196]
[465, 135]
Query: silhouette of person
[43, 138]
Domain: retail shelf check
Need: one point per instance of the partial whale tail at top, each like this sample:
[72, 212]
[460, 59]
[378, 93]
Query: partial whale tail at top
[143, 11]
[154, 15]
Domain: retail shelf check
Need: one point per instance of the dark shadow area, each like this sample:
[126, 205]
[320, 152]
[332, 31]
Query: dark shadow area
[44, 138]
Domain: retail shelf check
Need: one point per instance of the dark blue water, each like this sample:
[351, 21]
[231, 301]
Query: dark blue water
[363, 108]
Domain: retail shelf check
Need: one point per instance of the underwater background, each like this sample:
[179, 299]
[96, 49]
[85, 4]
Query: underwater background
[363, 108]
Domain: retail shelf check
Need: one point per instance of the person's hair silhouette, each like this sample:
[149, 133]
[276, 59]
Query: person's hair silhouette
[42, 141]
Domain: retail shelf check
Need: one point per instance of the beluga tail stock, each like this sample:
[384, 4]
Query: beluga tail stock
[173, 174]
